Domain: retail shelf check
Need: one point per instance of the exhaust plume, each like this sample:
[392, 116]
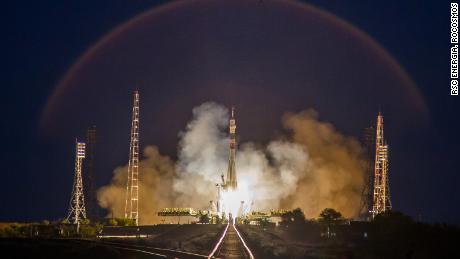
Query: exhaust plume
[156, 174]
[335, 175]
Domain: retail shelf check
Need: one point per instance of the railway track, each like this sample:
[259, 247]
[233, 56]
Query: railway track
[153, 251]
[231, 245]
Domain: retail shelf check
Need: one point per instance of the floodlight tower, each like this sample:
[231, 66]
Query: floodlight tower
[77, 210]
[381, 201]
[132, 185]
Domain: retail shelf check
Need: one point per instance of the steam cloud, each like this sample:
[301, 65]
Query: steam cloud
[156, 174]
[313, 167]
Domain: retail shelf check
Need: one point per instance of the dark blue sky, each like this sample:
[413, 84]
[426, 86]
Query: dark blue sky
[42, 40]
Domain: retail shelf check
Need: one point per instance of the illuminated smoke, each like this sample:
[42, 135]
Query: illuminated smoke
[335, 175]
[313, 167]
[203, 156]
[156, 174]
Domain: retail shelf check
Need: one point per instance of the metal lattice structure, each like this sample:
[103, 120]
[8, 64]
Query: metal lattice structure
[132, 185]
[77, 210]
[231, 182]
[382, 200]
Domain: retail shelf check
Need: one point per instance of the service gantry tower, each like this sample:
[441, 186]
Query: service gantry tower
[132, 185]
[382, 201]
[77, 210]
[231, 182]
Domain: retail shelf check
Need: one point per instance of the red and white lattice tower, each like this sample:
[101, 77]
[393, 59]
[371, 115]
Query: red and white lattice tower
[132, 185]
[381, 201]
[77, 210]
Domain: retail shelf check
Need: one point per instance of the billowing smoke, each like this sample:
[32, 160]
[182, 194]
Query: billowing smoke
[313, 167]
[335, 172]
[156, 174]
[203, 152]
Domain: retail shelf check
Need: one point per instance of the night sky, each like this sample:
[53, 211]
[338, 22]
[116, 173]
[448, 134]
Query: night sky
[266, 58]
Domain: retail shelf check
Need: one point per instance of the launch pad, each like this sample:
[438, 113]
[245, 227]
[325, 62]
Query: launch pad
[233, 203]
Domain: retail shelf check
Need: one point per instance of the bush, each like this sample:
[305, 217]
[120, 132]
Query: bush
[294, 217]
[204, 219]
[122, 222]
[88, 231]
[330, 216]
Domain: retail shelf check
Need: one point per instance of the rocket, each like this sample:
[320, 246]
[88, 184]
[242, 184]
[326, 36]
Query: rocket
[231, 182]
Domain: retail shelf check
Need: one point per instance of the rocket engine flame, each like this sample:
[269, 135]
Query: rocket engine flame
[237, 203]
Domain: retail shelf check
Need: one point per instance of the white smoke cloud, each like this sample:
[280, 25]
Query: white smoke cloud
[202, 155]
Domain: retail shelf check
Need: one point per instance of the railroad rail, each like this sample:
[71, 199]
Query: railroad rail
[154, 251]
[231, 245]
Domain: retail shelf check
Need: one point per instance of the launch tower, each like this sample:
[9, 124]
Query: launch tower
[132, 185]
[77, 210]
[381, 201]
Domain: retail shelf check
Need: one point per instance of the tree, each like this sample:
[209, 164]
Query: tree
[298, 216]
[204, 219]
[121, 222]
[330, 216]
[295, 216]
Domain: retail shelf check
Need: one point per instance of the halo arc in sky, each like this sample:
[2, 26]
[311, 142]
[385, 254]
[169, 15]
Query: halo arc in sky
[273, 57]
